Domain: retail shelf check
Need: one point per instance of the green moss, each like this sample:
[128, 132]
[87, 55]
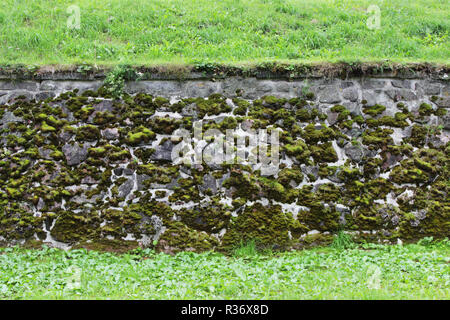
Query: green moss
[299, 150]
[378, 138]
[313, 135]
[97, 152]
[46, 128]
[323, 153]
[268, 226]
[425, 109]
[179, 237]
[290, 175]
[374, 110]
[144, 135]
[88, 133]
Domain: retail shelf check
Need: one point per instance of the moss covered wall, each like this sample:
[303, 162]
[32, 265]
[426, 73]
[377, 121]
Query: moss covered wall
[365, 155]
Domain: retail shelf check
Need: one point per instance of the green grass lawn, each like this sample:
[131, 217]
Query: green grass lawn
[226, 31]
[368, 272]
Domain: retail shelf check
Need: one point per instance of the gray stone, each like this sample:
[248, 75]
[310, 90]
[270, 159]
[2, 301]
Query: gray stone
[446, 90]
[346, 84]
[446, 121]
[44, 95]
[82, 198]
[40, 205]
[428, 88]
[74, 153]
[391, 160]
[45, 153]
[209, 183]
[356, 153]
[104, 105]
[311, 170]
[264, 87]
[88, 180]
[246, 124]
[350, 94]
[372, 83]
[65, 136]
[332, 117]
[443, 102]
[329, 94]
[128, 171]
[375, 96]
[401, 94]
[401, 84]
[9, 117]
[19, 85]
[61, 86]
[125, 188]
[200, 88]
[283, 86]
[110, 133]
[140, 178]
[163, 152]
[118, 171]
[190, 111]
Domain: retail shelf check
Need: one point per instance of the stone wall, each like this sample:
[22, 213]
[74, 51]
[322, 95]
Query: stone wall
[366, 155]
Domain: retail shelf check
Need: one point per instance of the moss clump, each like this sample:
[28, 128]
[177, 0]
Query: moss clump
[313, 135]
[102, 118]
[418, 135]
[267, 226]
[343, 112]
[46, 128]
[88, 133]
[399, 121]
[164, 125]
[378, 138]
[179, 237]
[299, 150]
[421, 168]
[374, 110]
[97, 152]
[288, 176]
[70, 227]
[119, 155]
[324, 153]
[214, 105]
[144, 135]
[273, 102]
[211, 220]
[244, 185]
[241, 106]
[425, 109]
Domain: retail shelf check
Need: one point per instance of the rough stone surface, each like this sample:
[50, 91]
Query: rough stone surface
[364, 155]
[74, 153]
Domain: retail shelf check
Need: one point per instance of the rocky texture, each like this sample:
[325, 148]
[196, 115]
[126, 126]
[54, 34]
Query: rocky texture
[77, 168]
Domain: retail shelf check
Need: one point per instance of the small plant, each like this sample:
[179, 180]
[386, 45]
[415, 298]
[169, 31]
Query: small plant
[84, 68]
[342, 241]
[427, 241]
[246, 249]
[115, 80]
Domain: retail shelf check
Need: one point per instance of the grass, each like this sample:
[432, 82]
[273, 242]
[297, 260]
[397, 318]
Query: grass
[227, 31]
[414, 271]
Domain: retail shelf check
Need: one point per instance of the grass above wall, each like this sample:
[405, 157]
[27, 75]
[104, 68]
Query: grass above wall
[227, 31]
[415, 271]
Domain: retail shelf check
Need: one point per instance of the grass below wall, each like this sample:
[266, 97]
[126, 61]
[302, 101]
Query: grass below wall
[226, 31]
[414, 271]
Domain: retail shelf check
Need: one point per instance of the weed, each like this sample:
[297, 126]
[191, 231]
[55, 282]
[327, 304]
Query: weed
[342, 241]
